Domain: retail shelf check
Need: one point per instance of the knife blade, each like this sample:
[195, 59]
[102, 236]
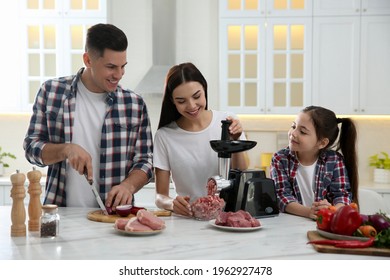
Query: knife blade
[97, 196]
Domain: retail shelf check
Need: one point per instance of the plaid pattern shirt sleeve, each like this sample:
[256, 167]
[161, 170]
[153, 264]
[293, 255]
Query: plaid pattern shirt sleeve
[331, 178]
[126, 141]
[283, 171]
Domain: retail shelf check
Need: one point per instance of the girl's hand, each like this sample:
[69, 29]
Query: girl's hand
[316, 206]
[182, 206]
[235, 129]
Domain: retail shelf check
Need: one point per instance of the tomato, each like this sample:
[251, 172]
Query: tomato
[324, 218]
[346, 221]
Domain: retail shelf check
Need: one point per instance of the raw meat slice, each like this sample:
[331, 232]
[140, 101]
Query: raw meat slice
[120, 223]
[134, 225]
[149, 219]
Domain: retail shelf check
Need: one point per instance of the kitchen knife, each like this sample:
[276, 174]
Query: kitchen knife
[97, 196]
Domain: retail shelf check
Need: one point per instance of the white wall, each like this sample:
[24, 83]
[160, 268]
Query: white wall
[196, 37]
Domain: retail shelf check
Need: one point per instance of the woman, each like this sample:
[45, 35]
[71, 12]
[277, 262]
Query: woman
[309, 174]
[182, 142]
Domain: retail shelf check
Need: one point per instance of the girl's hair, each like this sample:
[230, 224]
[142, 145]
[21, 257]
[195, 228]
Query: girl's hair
[177, 75]
[326, 125]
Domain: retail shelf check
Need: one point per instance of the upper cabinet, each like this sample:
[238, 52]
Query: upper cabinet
[278, 56]
[265, 56]
[351, 57]
[350, 7]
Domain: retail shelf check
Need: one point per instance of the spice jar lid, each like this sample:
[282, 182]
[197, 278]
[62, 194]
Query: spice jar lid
[48, 208]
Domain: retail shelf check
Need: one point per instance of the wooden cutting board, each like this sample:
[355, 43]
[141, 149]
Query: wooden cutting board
[98, 216]
[372, 251]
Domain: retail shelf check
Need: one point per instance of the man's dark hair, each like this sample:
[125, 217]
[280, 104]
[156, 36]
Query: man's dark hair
[105, 36]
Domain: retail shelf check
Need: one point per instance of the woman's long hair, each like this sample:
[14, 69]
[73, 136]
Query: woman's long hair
[177, 75]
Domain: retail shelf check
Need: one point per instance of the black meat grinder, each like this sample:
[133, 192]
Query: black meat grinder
[247, 190]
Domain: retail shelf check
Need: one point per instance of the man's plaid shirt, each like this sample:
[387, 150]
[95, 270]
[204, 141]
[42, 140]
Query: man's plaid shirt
[126, 141]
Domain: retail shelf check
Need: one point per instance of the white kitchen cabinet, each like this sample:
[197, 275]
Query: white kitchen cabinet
[336, 56]
[265, 64]
[288, 8]
[350, 7]
[382, 189]
[350, 67]
[269, 8]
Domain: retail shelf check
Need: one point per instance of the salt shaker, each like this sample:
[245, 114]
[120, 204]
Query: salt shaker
[50, 221]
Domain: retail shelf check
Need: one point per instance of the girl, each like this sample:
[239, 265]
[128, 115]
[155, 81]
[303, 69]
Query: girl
[182, 142]
[309, 174]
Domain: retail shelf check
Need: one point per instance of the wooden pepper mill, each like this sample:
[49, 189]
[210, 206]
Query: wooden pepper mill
[34, 205]
[18, 211]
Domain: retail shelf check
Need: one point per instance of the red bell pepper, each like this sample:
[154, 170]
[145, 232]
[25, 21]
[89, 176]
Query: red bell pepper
[345, 221]
[324, 218]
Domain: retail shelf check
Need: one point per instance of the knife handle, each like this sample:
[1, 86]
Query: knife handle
[86, 177]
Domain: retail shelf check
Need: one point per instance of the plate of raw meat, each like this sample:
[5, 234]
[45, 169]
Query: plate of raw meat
[236, 221]
[147, 232]
[145, 223]
[229, 228]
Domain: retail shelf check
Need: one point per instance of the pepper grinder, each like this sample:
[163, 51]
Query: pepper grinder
[18, 211]
[34, 205]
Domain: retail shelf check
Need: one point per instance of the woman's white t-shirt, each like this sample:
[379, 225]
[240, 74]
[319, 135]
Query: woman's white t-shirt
[188, 155]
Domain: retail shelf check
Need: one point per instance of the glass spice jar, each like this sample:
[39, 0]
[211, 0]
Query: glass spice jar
[50, 221]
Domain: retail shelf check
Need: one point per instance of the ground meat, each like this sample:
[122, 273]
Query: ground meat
[211, 187]
[207, 207]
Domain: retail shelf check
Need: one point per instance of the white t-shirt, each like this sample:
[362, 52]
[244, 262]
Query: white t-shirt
[188, 155]
[305, 179]
[86, 132]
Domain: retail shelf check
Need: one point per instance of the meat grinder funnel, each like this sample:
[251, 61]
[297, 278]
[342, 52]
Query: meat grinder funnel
[225, 147]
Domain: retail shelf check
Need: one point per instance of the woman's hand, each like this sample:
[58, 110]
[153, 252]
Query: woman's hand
[182, 206]
[235, 128]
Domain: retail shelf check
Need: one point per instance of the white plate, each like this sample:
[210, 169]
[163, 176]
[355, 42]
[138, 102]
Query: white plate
[339, 236]
[139, 233]
[212, 223]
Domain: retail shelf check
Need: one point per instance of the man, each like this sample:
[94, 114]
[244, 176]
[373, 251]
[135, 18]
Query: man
[87, 124]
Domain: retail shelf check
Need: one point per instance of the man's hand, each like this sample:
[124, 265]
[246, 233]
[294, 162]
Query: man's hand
[79, 159]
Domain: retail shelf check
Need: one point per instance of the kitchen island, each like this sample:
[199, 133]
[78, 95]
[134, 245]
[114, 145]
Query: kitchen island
[280, 238]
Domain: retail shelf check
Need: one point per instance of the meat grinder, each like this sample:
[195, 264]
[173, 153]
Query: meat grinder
[247, 190]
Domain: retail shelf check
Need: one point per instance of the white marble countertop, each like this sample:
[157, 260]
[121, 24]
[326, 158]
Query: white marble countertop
[281, 237]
